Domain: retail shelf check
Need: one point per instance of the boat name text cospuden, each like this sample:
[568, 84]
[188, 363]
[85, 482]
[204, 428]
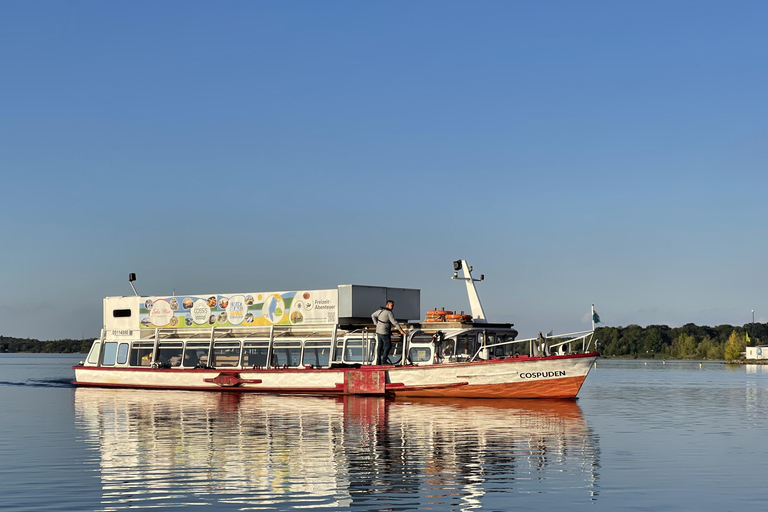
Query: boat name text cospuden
[539, 375]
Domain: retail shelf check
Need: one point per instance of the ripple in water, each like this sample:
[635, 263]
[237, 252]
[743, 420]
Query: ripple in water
[159, 449]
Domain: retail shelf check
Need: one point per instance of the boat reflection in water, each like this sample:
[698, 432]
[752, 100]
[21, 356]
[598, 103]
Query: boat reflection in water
[238, 451]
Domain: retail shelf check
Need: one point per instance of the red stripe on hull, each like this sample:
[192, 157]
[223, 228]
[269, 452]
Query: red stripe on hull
[566, 387]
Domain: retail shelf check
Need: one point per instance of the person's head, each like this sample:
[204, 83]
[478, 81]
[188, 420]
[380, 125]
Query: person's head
[390, 304]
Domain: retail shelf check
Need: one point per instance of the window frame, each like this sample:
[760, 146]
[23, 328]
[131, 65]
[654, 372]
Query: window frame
[109, 354]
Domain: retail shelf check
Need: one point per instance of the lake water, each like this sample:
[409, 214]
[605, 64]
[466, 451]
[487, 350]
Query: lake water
[652, 436]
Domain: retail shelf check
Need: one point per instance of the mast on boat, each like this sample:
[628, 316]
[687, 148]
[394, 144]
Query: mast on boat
[478, 315]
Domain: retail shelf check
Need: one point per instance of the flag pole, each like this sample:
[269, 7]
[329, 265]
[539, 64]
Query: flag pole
[592, 316]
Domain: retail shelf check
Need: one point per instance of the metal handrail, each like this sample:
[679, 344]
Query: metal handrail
[526, 340]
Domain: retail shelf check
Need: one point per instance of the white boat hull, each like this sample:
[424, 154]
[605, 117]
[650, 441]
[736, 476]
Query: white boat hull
[513, 377]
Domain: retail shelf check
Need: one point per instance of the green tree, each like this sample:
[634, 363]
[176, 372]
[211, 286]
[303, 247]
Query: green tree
[735, 345]
[716, 352]
[684, 346]
[652, 342]
[705, 345]
[608, 337]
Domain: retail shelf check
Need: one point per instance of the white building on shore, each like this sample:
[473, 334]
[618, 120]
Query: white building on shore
[758, 352]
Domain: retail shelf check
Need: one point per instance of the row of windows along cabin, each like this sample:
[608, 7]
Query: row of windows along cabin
[290, 348]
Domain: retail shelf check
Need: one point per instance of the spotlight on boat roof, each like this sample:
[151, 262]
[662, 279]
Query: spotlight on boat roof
[131, 279]
[457, 265]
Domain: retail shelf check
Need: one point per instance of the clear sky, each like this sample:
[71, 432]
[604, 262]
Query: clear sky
[574, 152]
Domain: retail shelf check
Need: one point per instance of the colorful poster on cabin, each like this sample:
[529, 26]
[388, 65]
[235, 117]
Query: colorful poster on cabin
[240, 310]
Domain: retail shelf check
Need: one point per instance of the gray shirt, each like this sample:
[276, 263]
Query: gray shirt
[384, 320]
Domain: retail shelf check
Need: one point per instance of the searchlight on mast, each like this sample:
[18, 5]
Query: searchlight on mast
[131, 279]
[478, 315]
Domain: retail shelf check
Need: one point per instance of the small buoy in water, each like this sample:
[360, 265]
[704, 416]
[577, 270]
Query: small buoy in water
[699, 365]
[663, 362]
[595, 364]
[646, 363]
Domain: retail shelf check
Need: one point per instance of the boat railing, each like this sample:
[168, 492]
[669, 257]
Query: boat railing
[364, 339]
[584, 336]
[362, 334]
[232, 331]
[539, 346]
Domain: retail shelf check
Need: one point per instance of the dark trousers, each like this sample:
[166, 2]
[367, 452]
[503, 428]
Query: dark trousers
[384, 341]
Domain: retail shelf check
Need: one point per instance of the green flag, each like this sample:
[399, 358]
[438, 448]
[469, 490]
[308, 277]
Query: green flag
[747, 338]
[595, 317]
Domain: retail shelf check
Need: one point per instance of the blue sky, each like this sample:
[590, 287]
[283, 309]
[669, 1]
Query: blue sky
[574, 152]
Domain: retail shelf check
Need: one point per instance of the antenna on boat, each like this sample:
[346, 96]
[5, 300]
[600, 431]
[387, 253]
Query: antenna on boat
[131, 279]
[478, 315]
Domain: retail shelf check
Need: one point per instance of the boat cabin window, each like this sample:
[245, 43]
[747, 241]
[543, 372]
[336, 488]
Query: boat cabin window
[255, 353]
[93, 355]
[110, 353]
[466, 346]
[287, 353]
[503, 350]
[195, 354]
[421, 339]
[420, 354]
[122, 353]
[169, 353]
[141, 353]
[448, 348]
[317, 353]
[226, 354]
[350, 350]
[121, 313]
[396, 352]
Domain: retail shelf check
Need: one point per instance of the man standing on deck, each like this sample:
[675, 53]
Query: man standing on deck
[384, 320]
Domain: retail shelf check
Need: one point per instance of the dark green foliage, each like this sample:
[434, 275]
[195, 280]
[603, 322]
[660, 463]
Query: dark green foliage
[49, 347]
[690, 341]
[655, 341]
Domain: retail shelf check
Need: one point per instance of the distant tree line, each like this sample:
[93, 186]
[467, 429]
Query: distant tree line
[655, 341]
[8, 344]
[687, 342]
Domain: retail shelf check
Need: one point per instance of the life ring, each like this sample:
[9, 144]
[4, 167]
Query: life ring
[437, 315]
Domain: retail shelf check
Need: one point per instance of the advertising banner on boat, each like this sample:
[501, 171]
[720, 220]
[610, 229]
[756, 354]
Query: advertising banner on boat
[264, 308]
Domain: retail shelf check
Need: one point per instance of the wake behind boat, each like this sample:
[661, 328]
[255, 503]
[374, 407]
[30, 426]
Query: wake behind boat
[323, 342]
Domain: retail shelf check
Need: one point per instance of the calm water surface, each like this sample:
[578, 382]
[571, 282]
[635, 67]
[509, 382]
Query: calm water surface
[642, 436]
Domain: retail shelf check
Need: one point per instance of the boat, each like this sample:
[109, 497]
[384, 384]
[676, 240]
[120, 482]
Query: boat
[322, 342]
